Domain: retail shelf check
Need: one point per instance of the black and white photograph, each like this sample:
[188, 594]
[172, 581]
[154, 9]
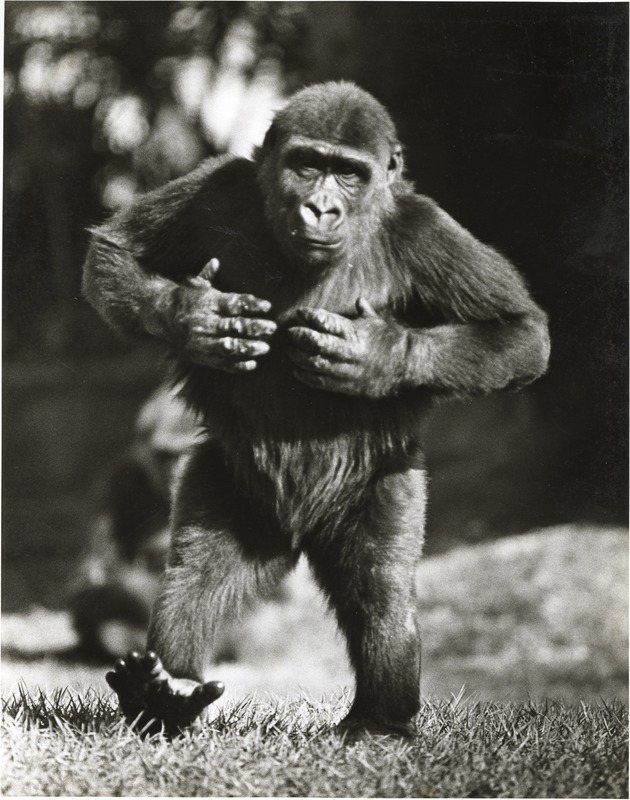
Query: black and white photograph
[315, 399]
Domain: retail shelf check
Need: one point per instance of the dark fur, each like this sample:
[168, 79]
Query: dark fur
[338, 476]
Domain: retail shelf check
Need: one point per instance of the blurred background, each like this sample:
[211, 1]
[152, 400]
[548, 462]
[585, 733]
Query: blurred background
[514, 118]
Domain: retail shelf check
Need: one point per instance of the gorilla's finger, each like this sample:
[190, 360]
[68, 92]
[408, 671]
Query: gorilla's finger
[213, 352]
[243, 349]
[210, 270]
[240, 366]
[249, 328]
[311, 362]
[120, 665]
[134, 663]
[220, 363]
[325, 321]
[115, 681]
[366, 309]
[314, 342]
[204, 694]
[152, 663]
[232, 304]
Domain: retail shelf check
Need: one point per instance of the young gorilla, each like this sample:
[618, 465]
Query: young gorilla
[334, 307]
[115, 582]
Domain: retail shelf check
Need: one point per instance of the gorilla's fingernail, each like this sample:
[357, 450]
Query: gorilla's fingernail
[211, 690]
[151, 662]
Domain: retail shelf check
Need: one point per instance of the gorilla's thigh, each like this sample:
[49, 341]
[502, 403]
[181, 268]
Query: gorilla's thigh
[223, 556]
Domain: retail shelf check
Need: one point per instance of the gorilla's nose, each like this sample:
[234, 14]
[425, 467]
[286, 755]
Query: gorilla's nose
[321, 211]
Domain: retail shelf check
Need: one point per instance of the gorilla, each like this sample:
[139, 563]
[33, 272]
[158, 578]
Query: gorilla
[114, 583]
[316, 307]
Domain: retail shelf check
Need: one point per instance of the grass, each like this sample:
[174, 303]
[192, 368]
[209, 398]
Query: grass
[74, 744]
[518, 621]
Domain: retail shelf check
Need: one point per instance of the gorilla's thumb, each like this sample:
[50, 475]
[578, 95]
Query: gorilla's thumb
[210, 270]
[365, 309]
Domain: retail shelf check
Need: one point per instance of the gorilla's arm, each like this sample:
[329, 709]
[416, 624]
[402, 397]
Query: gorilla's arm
[145, 269]
[477, 357]
[491, 336]
[141, 254]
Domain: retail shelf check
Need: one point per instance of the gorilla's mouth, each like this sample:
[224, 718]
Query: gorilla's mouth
[316, 242]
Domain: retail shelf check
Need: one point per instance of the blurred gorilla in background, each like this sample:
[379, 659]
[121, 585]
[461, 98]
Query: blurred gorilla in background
[116, 581]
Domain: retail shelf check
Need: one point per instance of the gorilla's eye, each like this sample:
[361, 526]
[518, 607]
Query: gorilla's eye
[346, 168]
[351, 170]
[308, 163]
[304, 161]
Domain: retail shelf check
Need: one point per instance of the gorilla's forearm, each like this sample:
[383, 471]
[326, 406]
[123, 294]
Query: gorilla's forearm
[221, 330]
[477, 357]
[130, 299]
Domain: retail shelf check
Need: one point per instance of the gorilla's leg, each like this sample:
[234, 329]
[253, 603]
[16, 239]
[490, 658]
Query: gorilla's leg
[369, 571]
[223, 555]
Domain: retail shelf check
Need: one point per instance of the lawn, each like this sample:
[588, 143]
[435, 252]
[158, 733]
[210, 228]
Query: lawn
[73, 745]
[525, 687]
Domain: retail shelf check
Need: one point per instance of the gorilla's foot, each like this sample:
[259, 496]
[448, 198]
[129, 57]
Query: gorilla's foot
[355, 728]
[152, 700]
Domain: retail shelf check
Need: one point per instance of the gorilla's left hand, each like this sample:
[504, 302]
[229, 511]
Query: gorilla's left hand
[363, 356]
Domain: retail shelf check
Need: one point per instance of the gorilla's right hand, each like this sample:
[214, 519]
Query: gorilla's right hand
[223, 330]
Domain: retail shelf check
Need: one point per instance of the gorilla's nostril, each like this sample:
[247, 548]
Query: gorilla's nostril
[310, 215]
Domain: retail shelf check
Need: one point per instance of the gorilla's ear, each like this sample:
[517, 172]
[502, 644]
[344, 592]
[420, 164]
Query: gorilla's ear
[269, 143]
[396, 164]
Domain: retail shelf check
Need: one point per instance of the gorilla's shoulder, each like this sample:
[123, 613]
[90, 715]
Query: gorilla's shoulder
[414, 215]
[227, 168]
[225, 172]
[225, 178]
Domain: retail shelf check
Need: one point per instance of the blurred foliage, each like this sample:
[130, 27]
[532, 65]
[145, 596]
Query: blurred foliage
[104, 99]
[163, 84]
